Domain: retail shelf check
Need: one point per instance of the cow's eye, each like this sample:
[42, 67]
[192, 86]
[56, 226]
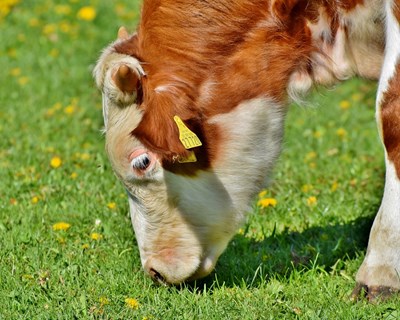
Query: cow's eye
[141, 162]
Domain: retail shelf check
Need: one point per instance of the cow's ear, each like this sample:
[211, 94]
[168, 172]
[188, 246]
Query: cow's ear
[282, 9]
[122, 33]
[164, 127]
[127, 79]
[118, 72]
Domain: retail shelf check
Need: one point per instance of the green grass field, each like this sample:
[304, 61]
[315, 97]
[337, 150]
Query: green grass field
[296, 259]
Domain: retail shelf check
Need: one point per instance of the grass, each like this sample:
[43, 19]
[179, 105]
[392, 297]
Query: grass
[295, 260]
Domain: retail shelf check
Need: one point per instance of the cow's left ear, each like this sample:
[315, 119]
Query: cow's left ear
[167, 130]
[282, 9]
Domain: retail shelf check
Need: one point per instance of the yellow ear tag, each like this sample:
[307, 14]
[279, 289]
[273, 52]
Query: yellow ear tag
[187, 137]
[190, 158]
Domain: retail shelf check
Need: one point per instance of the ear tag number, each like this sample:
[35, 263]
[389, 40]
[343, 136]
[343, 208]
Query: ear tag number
[187, 137]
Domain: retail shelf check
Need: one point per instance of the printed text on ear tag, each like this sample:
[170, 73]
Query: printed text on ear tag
[190, 158]
[187, 137]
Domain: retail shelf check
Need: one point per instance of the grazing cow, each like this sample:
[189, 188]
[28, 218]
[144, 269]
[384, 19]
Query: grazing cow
[194, 105]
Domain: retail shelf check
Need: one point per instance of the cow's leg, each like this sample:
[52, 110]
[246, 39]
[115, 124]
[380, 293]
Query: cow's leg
[379, 275]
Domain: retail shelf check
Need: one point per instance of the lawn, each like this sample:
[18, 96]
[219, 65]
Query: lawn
[67, 250]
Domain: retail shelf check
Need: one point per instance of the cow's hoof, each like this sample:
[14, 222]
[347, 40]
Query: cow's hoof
[374, 294]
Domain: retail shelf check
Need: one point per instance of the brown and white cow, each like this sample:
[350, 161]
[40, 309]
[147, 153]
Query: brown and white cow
[194, 106]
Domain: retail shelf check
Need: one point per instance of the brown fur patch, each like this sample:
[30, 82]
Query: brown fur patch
[396, 9]
[240, 46]
[390, 114]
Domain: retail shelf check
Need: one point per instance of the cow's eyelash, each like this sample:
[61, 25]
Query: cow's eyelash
[141, 162]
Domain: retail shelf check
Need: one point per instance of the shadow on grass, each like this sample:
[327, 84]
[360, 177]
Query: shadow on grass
[247, 262]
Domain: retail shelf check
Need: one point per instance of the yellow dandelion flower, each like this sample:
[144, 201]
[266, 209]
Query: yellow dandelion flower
[23, 80]
[356, 97]
[35, 200]
[28, 277]
[73, 175]
[87, 13]
[65, 27]
[334, 186]
[318, 134]
[21, 37]
[344, 104]
[132, 303]
[85, 156]
[96, 236]
[55, 162]
[306, 188]
[111, 205]
[15, 72]
[57, 106]
[311, 201]
[62, 9]
[85, 246]
[54, 53]
[311, 155]
[342, 133]
[69, 109]
[33, 22]
[241, 231]
[64, 226]
[6, 6]
[264, 203]
[262, 194]
[103, 301]
[74, 100]
[12, 52]
[49, 28]
[50, 112]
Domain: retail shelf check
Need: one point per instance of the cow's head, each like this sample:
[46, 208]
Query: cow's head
[187, 200]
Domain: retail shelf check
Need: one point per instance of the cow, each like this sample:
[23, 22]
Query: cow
[194, 104]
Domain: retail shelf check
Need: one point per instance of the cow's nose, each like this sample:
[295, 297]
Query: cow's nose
[156, 276]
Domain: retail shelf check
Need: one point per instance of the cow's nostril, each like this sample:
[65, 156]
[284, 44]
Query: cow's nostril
[156, 276]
